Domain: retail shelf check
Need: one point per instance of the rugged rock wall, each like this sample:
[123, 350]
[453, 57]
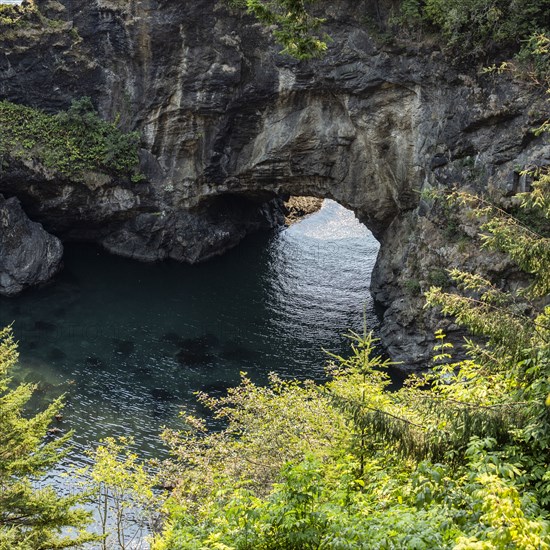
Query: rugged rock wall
[229, 126]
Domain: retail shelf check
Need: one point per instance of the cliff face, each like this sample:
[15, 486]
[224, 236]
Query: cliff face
[228, 126]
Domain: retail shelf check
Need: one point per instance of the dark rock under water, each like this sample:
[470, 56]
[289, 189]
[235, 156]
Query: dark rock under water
[124, 347]
[94, 362]
[172, 338]
[57, 354]
[44, 326]
[162, 394]
[190, 358]
[235, 351]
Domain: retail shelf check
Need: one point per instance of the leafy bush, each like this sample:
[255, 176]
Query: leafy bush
[121, 487]
[412, 286]
[534, 56]
[69, 143]
[292, 24]
[438, 277]
[479, 28]
[16, 15]
[350, 465]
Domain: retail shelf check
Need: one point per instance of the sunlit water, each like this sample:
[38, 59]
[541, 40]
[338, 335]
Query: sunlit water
[129, 343]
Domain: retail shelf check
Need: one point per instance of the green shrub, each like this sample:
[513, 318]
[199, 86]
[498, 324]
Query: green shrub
[291, 23]
[534, 57]
[439, 278]
[32, 514]
[16, 15]
[412, 286]
[69, 143]
[349, 465]
[479, 27]
[452, 230]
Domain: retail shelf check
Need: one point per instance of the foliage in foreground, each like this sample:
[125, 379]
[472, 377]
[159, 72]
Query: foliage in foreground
[117, 486]
[458, 458]
[70, 143]
[32, 516]
[351, 465]
[121, 489]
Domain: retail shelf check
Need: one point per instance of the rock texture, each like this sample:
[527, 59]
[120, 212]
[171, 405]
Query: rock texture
[229, 126]
[28, 255]
[297, 208]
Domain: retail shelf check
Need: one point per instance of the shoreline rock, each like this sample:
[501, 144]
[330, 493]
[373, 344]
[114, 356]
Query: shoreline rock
[29, 255]
[297, 208]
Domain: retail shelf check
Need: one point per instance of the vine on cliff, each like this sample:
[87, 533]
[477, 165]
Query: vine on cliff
[481, 29]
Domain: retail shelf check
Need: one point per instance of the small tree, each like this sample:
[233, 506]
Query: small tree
[515, 324]
[122, 486]
[31, 518]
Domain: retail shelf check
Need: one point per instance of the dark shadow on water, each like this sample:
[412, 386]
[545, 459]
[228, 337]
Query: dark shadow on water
[162, 394]
[44, 326]
[94, 362]
[233, 350]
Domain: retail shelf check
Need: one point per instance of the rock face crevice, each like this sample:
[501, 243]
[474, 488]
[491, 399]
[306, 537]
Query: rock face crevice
[229, 126]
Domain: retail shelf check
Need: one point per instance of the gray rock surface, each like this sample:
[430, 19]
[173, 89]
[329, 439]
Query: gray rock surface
[228, 126]
[28, 255]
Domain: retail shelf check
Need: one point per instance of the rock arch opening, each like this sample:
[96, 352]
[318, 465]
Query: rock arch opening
[319, 272]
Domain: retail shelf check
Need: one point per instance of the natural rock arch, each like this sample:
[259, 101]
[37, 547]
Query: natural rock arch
[361, 155]
[227, 125]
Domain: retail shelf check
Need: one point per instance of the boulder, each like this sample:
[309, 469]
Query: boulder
[28, 254]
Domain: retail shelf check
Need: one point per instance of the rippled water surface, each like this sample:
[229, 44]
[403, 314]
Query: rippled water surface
[129, 343]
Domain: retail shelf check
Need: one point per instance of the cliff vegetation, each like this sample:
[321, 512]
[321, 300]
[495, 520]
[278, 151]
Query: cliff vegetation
[69, 143]
[472, 29]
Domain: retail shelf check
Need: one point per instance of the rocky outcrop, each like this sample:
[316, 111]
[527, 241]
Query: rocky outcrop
[28, 255]
[228, 126]
[297, 208]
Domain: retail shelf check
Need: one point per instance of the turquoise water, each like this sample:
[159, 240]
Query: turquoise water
[129, 343]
